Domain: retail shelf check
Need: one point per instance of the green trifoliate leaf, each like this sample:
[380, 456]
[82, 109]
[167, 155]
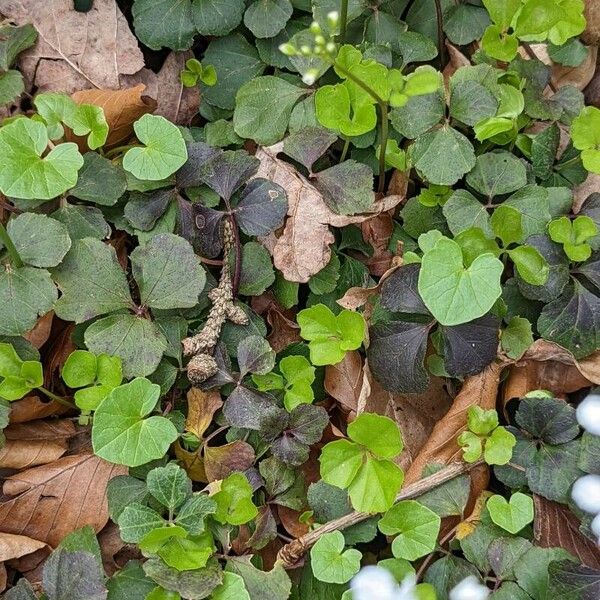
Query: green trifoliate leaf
[25, 294]
[137, 341]
[517, 337]
[136, 520]
[571, 54]
[80, 369]
[511, 515]
[163, 153]
[155, 31]
[340, 462]
[89, 120]
[167, 272]
[506, 223]
[19, 377]
[263, 107]
[170, 485]
[299, 375]
[100, 181]
[122, 434]
[261, 585]
[234, 501]
[417, 527]
[266, 18]
[25, 173]
[455, 294]
[471, 102]
[330, 336]
[585, 133]
[463, 211]
[92, 282]
[377, 433]
[573, 235]
[499, 447]
[481, 421]
[471, 446]
[499, 44]
[39, 240]
[82, 221]
[15, 40]
[464, 23]
[330, 562]
[544, 148]
[430, 151]
[193, 512]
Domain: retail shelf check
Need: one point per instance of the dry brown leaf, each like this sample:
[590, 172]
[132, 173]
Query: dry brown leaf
[23, 454]
[591, 35]
[377, 232]
[284, 329]
[31, 408]
[40, 332]
[192, 462]
[15, 546]
[303, 249]
[555, 526]
[289, 519]
[174, 101]
[582, 191]
[121, 109]
[441, 446]
[201, 408]
[343, 381]
[457, 60]
[3, 577]
[75, 50]
[221, 461]
[50, 501]
[112, 545]
[54, 430]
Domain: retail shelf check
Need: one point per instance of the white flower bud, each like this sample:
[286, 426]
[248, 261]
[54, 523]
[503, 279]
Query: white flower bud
[330, 47]
[469, 589]
[287, 49]
[306, 50]
[333, 19]
[319, 40]
[377, 583]
[586, 493]
[588, 414]
[310, 76]
[595, 526]
[315, 28]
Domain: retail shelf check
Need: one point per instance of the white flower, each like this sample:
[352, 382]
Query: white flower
[332, 19]
[588, 414]
[377, 583]
[469, 589]
[586, 493]
[595, 527]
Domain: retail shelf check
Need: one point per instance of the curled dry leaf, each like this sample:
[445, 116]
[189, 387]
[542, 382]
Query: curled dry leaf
[284, 329]
[555, 526]
[75, 50]
[343, 381]
[290, 521]
[173, 101]
[48, 502]
[441, 446]
[38, 335]
[201, 408]
[15, 546]
[457, 60]
[121, 109]
[377, 232]
[302, 250]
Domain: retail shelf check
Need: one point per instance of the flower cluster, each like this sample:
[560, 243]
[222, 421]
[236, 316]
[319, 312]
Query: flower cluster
[586, 490]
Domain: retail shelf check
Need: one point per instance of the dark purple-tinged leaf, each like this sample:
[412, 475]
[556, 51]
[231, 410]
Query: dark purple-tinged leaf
[254, 355]
[347, 188]
[250, 409]
[265, 529]
[399, 292]
[143, 210]
[470, 347]
[207, 234]
[308, 144]
[73, 576]
[590, 270]
[185, 219]
[504, 553]
[262, 207]
[305, 427]
[396, 355]
[261, 585]
[548, 419]
[570, 581]
[197, 584]
[573, 320]
[198, 154]
[558, 274]
[227, 171]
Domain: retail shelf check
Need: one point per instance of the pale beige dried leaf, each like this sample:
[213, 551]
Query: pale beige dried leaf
[343, 381]
[174, 101]
[15, 546]
[48, 502]
[23, 454]
[75, 50]
[303, 249]
[201, 408]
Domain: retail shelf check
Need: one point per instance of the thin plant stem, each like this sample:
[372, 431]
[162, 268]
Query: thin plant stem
[383, 145]
[345, 150]
[343, 20]
[56, 398]
[10, 247]
[440, 32]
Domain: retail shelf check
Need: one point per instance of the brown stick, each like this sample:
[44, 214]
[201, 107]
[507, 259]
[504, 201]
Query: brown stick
[291, 553]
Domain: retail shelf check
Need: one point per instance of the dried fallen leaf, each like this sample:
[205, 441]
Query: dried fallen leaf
[377, 232]
[555, 526]
[15, 546]
[221, 461]
[173, 101]
[284, 329]
[201, 408]
[192, 462]
[32, 407]
[55, 430]
[343, 381]
[302, 250]
[48, 502]
[441, 446]
[75, 50]
[121, 109]
[582, 191]
[289, 520]
[23, 454]
[40, 332]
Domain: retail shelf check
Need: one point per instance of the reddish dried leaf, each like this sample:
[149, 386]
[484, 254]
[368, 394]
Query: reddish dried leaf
[289, 519]
[221, 461]
[40, 332]
[31, 408]
[343, 381]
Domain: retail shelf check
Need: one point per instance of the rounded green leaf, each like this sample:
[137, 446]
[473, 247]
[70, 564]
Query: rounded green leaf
[340, 462]
[511, 515]
[266, 18]
[375, 486]
[330, 563]
[120, 431]
[80, 369]
[164, 150]
[455, 294]
[378, 433]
